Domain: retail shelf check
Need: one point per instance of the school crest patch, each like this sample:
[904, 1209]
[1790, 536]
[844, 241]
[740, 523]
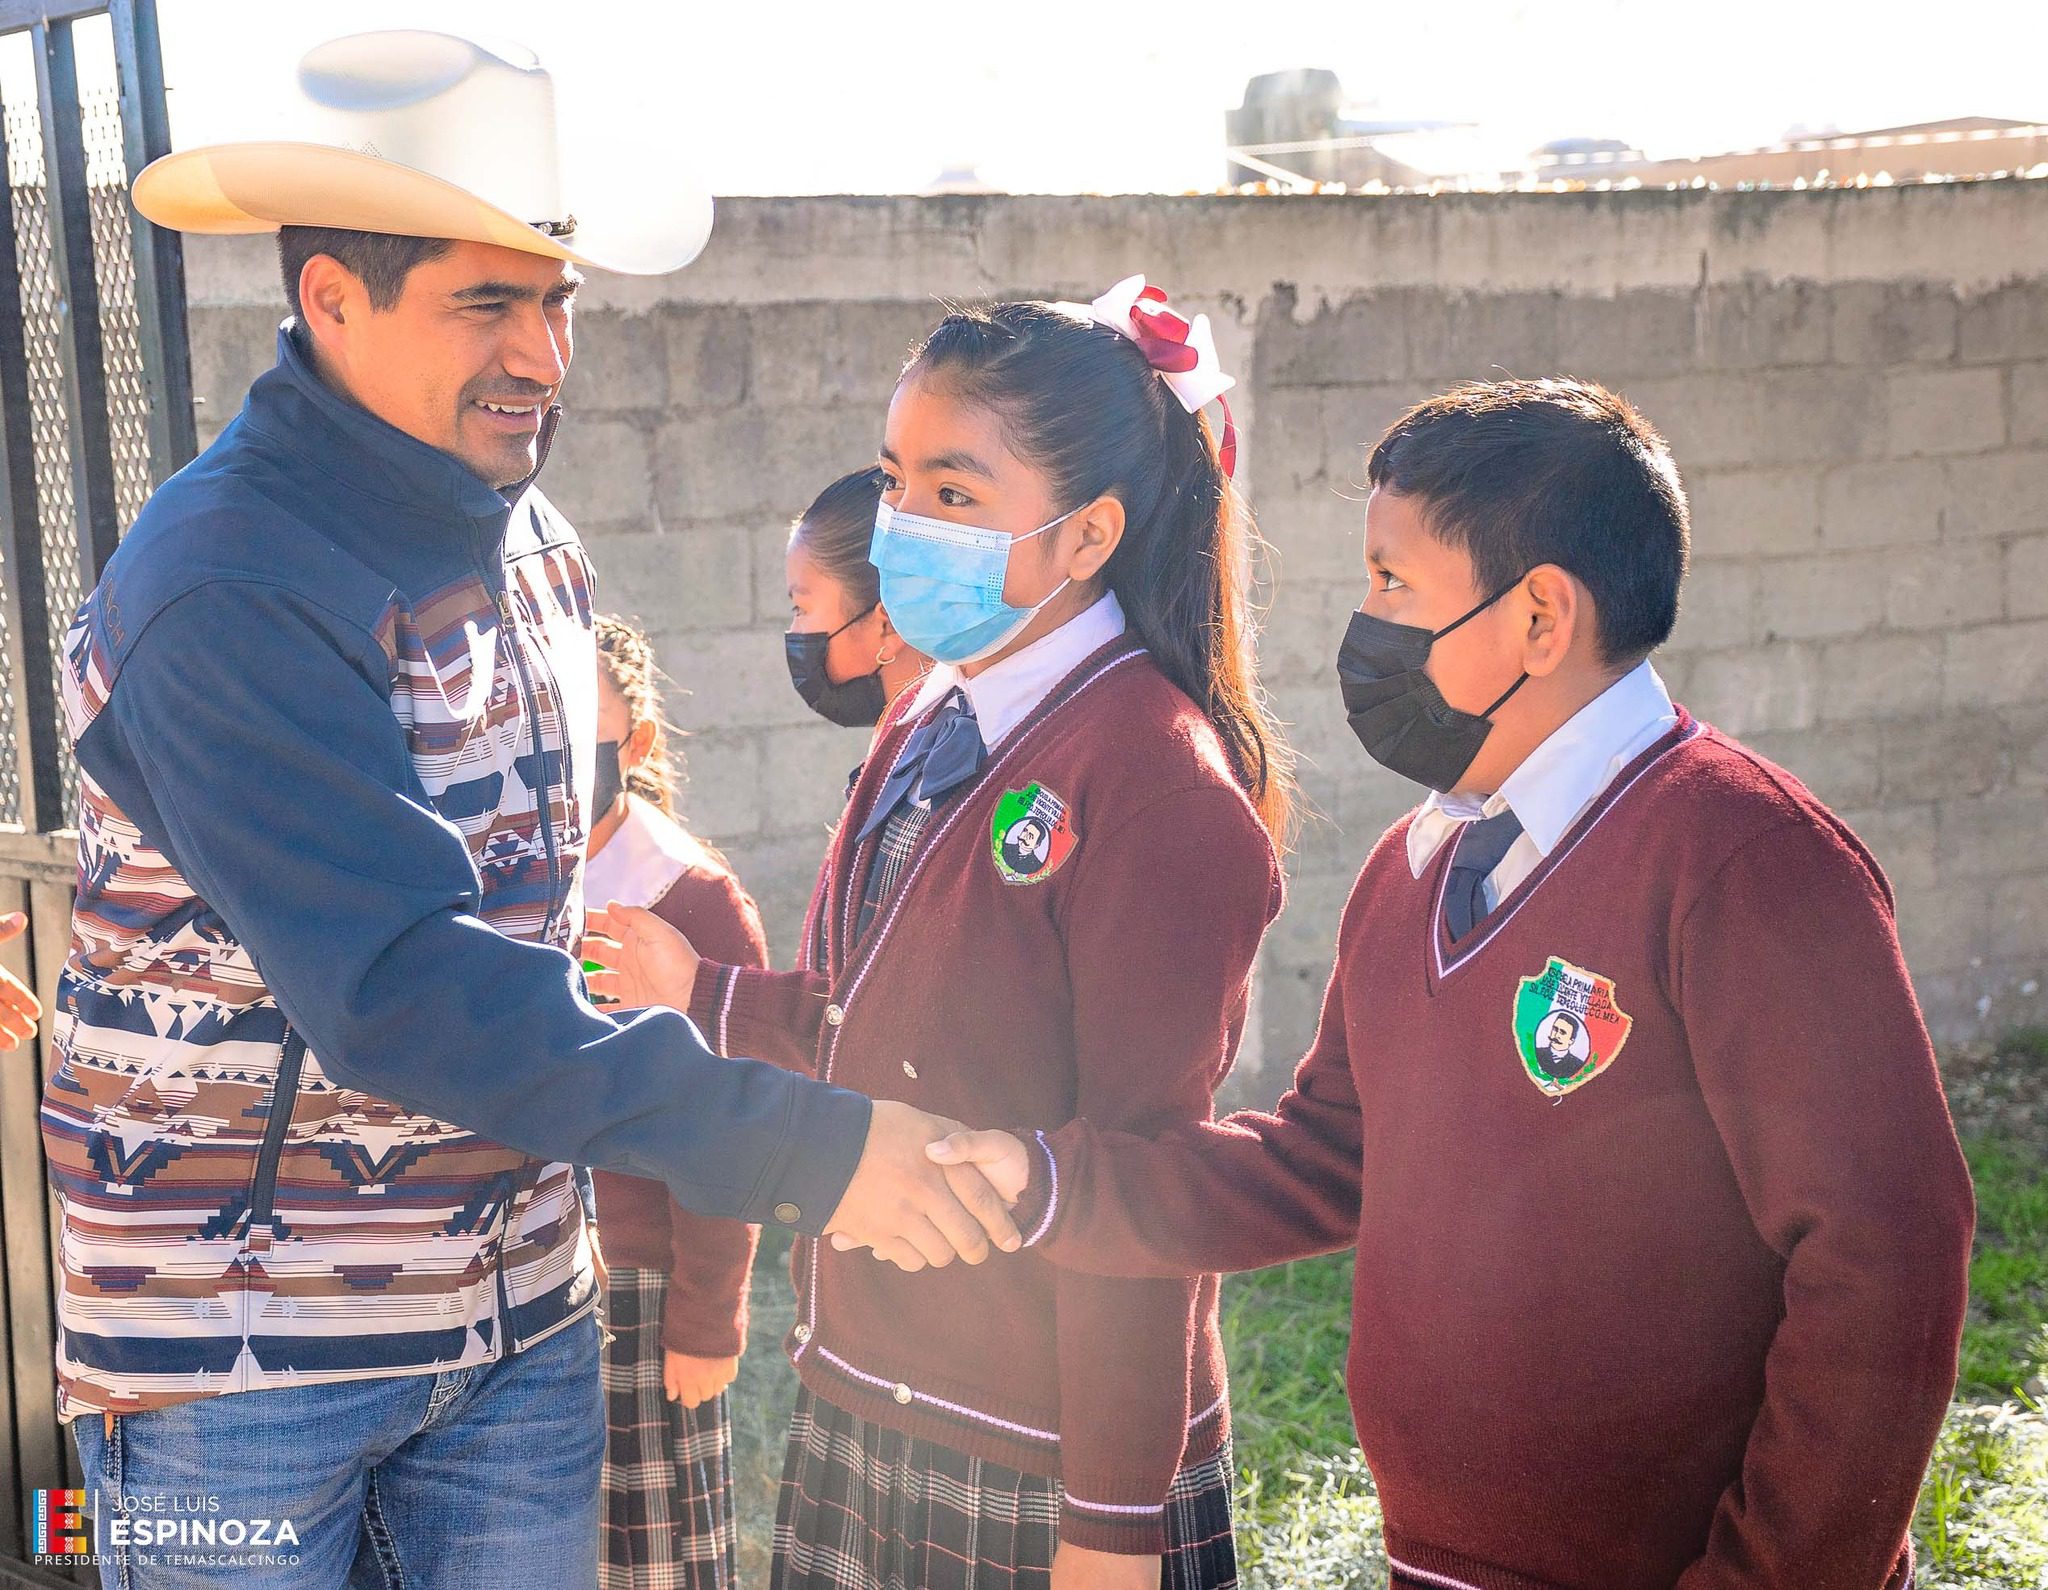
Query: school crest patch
[1568, 1027]
[1031, 834]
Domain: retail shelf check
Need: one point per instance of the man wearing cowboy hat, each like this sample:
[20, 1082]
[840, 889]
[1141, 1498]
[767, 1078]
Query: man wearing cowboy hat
[328, 1066]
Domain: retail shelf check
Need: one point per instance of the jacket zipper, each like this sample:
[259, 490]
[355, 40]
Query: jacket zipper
[543, 802]
[554, 684]
[284, 1098]
[504, 1343]
[544, 795]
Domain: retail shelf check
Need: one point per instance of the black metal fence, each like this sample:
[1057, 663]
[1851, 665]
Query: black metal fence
[95, 411]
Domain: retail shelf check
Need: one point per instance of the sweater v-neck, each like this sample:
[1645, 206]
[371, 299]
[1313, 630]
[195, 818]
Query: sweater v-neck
[858, 952]
[1446, 959]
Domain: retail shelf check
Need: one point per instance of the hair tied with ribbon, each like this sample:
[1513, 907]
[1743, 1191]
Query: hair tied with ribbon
[1182, 351]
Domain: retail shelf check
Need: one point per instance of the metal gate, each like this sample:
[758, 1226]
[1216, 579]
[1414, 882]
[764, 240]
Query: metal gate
[95, 412]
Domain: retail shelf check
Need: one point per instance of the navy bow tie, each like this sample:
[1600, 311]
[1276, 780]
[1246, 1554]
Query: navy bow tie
[942, 754]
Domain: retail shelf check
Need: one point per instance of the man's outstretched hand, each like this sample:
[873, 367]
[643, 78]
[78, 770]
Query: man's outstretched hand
[902, 1204]
[20, 1010]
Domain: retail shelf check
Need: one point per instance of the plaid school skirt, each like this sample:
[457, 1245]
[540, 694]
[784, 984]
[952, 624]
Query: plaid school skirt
[667, 1521]
[863, 1508]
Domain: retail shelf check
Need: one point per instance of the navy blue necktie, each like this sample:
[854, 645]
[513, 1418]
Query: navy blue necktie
[1481, 845]
[942, 754]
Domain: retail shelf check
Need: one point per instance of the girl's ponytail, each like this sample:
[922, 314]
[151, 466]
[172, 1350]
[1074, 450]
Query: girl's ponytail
[627, 656]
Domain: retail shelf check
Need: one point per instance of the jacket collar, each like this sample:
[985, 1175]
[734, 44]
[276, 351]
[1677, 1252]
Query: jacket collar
[292, 405]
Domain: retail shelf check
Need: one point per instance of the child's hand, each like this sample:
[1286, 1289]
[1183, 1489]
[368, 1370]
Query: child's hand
[644, 961]
[20, 1010]
[1078, 1568]
[997, 1155]
[695, 1381]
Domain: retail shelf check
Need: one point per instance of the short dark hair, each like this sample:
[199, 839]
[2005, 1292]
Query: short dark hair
[1521, 473]
[837, 529]
[381, 261]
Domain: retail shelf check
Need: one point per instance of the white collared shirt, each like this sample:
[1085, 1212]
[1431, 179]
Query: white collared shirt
[1005, 693]
[1557, 782]
[642, 859]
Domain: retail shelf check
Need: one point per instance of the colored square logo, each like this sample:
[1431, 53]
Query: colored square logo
[58, 1523]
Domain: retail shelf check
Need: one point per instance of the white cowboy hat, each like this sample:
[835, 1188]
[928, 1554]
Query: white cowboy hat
[429, 135]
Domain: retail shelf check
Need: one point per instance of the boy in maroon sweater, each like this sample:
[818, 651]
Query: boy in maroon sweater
[1620, 1088]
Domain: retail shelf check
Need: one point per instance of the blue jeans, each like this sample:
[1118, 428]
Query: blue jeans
[481, 1476]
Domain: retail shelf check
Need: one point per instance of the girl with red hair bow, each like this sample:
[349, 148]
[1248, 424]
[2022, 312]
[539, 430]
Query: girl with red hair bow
[1044, 900]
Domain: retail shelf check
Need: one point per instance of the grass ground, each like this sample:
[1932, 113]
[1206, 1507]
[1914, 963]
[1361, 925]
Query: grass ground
[2005, 1343]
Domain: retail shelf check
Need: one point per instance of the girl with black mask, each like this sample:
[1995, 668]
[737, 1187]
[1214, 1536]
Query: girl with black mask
[845, 658]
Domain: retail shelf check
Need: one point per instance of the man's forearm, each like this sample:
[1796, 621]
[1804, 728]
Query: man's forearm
[544, 1072]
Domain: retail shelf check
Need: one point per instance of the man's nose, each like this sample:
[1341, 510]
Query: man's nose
[536, 349]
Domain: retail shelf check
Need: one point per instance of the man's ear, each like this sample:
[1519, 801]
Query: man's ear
[1100, 527]
[329, 295]
[634, 749]
[1560, 612]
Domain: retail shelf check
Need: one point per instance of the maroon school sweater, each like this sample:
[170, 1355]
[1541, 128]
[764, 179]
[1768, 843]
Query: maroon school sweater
[1114, 985]
[707, 1261]
[1667, 1292]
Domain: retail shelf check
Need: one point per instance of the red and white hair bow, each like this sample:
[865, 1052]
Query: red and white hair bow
[1183, 351]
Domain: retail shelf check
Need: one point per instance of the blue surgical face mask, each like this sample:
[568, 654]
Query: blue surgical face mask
[942, 583]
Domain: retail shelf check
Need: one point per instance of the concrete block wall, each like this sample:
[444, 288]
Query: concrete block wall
[1855, 385]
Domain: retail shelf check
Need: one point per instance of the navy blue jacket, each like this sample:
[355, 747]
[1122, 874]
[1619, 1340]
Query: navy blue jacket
[333, 704]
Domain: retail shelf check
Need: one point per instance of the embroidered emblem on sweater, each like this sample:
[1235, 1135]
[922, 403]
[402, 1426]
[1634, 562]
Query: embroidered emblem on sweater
[1567, 1026]
[1031, 834]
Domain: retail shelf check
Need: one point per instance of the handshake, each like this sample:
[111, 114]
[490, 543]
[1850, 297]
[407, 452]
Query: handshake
[926, 1191]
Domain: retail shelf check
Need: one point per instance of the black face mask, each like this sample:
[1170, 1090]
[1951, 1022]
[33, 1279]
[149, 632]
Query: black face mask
[1395, 708]
[856, 704]
[608, 786]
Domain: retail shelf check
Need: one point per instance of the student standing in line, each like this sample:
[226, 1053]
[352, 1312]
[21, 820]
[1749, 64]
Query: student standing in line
[845, 658]
[1621, 1090]
[676, 1303]
[1045, 900]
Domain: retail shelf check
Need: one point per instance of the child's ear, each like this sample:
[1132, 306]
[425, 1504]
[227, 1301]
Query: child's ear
[1101, 527]
[1560, 613]
[634, 748]
[872, 635]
